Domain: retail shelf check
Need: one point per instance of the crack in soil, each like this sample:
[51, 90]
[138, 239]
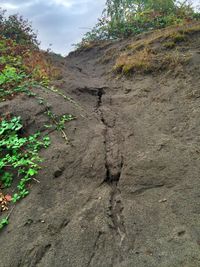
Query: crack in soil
[147, 187]
[94, 249]
[113, 164]
[113, 177]
[100, 93]
[116, 209]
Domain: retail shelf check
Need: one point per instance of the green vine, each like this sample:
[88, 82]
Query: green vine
[19, 158]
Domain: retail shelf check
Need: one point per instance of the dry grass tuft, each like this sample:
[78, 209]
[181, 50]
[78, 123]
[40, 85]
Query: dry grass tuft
[193, 29]
[177, 37]
[141, 61]
[173, 33]
[169, 44]
[175, 59]
[147, 60]
[147, 54]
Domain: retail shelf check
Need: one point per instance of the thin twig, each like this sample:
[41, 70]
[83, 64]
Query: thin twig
[56, 91]
[65, 136]
[8, 216]
[36, 180]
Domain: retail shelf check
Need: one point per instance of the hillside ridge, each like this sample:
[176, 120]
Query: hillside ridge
[124, 191]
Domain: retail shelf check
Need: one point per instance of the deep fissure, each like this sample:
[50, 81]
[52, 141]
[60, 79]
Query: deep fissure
[100, 93]
[112, 179]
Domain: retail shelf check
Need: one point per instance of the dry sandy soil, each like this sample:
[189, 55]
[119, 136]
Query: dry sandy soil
[125, 191]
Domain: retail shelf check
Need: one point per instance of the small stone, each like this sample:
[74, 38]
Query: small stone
[162, 200]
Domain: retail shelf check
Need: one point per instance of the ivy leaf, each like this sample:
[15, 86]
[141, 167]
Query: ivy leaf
[32, 172]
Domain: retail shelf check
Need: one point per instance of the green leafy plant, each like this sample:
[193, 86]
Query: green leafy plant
[59, 122]
[3, 222]
[17, 28]
[123, 18]
[7, 179]
[19, 159]
[9, 75]
[63, 119]
[22, 67]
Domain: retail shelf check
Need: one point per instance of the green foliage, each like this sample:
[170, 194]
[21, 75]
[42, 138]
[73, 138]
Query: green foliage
[16, 75]
[3, 222]
[13, 78]
[122, 18]
[19, 156]
[7, 179]
[16, 28]
[10, 75]
[22, 67]
[12, 82]
[59, 122]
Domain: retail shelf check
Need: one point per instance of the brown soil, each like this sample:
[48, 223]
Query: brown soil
[125, 192]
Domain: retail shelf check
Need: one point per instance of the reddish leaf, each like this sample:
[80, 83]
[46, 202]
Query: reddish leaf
[8, 198]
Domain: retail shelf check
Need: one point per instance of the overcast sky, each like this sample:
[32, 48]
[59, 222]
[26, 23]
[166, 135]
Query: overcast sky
[59, 22]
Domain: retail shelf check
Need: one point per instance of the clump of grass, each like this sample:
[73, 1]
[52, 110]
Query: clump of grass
[141, 61]
[177, 37]
[171, 35]
[192, 29]
[147, 60]
[153, 37]
[144, 56]
[174, 59]
[169, 45]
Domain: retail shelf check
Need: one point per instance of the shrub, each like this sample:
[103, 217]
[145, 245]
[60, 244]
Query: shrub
[15, 27]
[22, 64]
[123, 18]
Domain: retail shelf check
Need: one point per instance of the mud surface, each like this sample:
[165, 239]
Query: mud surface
[125, 192]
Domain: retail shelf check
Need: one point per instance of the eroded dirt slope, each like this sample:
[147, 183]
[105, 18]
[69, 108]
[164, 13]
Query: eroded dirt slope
[126, 191]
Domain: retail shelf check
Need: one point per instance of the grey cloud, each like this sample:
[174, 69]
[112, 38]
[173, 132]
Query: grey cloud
[58, 24]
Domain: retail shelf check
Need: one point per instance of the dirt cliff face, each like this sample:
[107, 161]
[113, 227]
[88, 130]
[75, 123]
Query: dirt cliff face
[126, 190]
